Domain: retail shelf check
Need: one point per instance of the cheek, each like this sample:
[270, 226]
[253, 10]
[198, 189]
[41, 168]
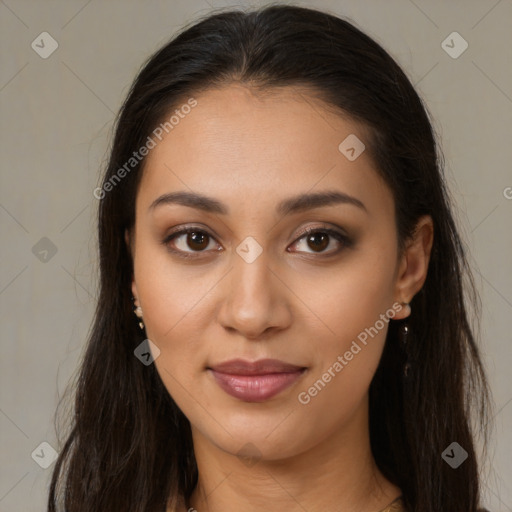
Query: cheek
[171, 300]
[352, 312]
[168, 291]
[349, 298]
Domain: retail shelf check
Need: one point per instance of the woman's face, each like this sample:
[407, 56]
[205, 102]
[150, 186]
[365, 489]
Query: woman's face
[250, 285]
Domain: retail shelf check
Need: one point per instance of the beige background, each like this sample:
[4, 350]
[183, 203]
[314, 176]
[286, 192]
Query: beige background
[56, 117]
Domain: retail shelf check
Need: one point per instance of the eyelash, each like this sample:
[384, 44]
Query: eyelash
[340, 237]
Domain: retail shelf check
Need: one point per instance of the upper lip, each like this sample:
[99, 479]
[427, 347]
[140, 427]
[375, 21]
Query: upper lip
[261, 367]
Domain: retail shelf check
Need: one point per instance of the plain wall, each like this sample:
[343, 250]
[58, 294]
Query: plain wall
[56, 120]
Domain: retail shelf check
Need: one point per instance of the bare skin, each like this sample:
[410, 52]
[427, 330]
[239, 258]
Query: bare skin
[298, 302]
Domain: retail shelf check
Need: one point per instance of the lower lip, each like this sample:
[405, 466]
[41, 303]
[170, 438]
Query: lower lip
[255, 388]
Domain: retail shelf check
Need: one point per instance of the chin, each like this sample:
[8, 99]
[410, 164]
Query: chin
[271, 438]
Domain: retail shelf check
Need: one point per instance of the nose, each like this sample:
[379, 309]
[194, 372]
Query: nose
[255, 301]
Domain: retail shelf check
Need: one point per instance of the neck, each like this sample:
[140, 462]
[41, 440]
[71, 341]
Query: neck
[338, 473]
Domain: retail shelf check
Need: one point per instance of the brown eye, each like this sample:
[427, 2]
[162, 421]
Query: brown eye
[188, 241]
[197, 240]
[319, 239]
[191, 242]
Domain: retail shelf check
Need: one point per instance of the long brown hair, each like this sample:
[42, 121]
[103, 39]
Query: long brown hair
[129, 446]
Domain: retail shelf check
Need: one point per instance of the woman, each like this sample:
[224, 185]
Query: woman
[282, 322]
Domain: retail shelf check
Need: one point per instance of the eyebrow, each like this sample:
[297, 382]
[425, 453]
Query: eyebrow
[295, 204]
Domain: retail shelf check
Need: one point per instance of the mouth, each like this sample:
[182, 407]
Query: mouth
[255, 381]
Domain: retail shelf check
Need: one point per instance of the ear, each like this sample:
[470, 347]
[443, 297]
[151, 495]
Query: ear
[129, 245]
[413, 267]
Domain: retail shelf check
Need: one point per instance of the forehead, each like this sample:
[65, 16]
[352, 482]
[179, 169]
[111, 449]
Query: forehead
[242, 145]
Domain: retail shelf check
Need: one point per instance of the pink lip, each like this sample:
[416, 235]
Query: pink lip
[255, 381]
